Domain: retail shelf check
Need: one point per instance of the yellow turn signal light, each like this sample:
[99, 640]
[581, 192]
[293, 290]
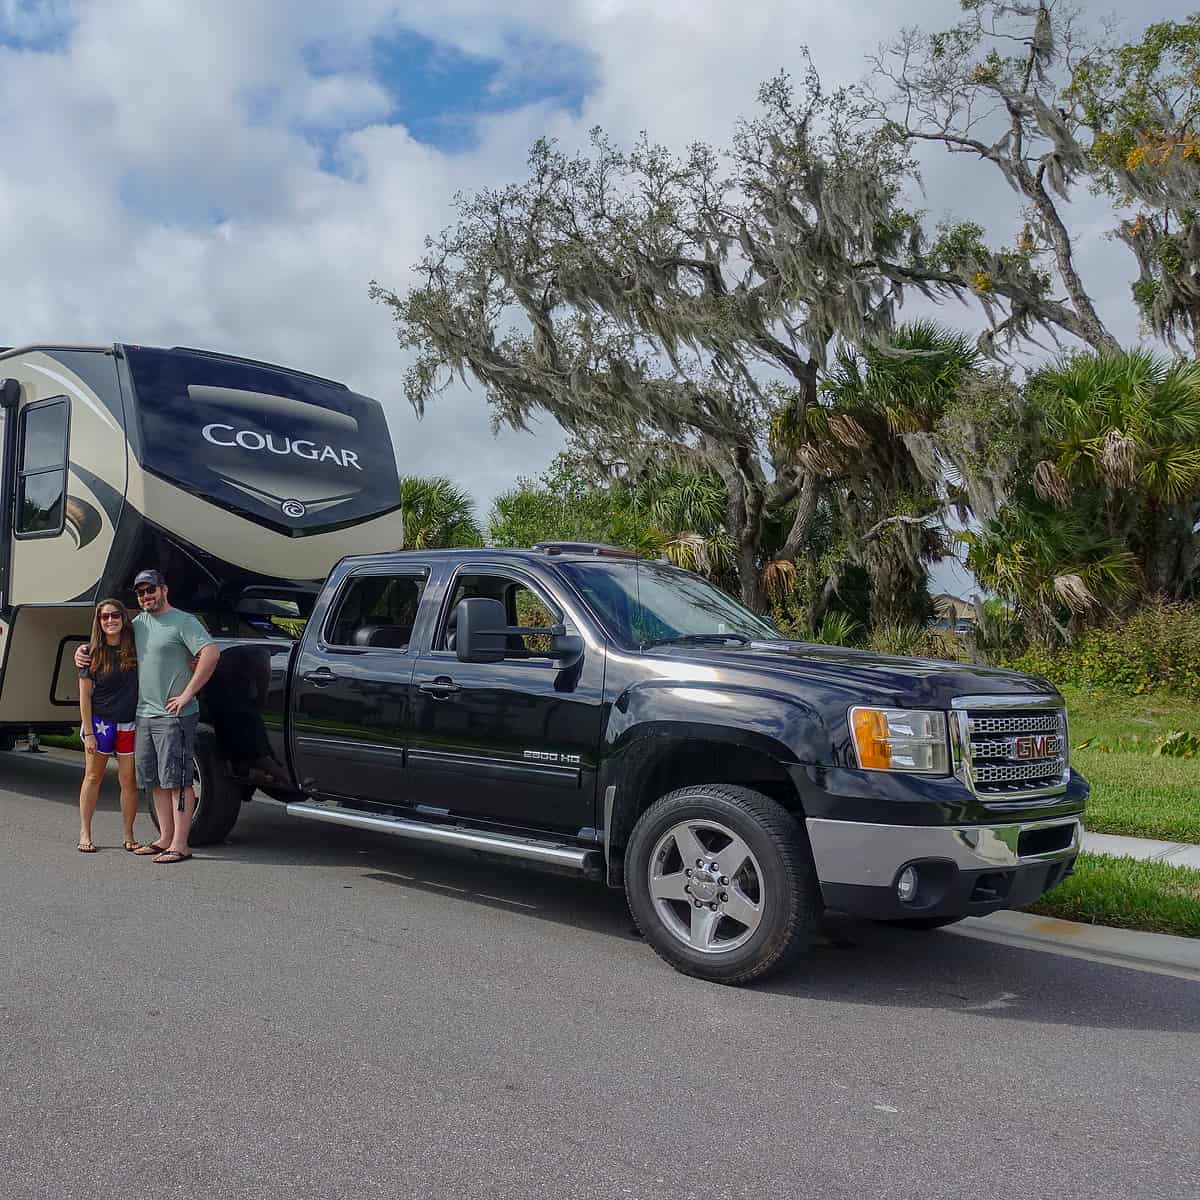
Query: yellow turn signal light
[871, 738]
[900, 739]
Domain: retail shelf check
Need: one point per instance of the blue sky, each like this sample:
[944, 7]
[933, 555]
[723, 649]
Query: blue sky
[440, 91]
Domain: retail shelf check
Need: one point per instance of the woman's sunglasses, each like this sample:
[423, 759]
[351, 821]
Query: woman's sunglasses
[112, 616]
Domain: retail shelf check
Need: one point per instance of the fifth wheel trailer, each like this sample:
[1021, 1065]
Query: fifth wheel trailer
[242, 481]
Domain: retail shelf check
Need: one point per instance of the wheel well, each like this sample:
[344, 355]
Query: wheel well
[690, 761]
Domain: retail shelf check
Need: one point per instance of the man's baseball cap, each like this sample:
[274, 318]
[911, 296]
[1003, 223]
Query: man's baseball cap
[152, 577]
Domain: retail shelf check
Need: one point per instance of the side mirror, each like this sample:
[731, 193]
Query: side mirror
[479, 632]
[481, 635]
[566, 649]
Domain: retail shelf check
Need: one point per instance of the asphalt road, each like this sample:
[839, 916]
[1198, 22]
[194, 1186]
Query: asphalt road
[309, 1011]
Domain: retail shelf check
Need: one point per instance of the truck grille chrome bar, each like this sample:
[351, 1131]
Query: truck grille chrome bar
[1011, 748]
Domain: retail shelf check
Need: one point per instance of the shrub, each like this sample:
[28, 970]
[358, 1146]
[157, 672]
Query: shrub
[1157, 647]
[914, 641]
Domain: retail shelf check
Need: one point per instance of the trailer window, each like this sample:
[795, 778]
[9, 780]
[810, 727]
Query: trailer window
[42, 468]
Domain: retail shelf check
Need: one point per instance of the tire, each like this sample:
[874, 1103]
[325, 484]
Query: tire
[922, 922]
[8, 741]
[766, 914]
[218, 797]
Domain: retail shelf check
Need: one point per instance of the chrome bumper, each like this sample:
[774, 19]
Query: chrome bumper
[852, 852]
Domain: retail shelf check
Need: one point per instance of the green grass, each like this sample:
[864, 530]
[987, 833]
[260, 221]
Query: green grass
[1127, 894]
[1142, 796]
[1105, 719]
[64, 741]
[1134, 791]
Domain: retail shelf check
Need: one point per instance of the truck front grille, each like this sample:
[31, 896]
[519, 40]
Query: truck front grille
[1014, 753]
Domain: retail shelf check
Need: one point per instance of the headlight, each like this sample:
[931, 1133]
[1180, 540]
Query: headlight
[900, 739]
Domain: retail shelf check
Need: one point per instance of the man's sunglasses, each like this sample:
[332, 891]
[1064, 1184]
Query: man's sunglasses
[145, 591]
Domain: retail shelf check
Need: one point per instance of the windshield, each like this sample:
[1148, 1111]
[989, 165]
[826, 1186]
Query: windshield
[644, 602]
[290, 451]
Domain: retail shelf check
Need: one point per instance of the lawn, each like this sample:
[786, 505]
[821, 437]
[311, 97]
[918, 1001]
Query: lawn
[1135, 791]
[1127, 894]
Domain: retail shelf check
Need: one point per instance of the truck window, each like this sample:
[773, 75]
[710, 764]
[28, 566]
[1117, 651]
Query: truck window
[376, 610]
[42, 468]
[522, 606]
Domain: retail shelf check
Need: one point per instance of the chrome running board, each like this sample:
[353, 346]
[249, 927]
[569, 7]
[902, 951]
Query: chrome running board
[552, 854]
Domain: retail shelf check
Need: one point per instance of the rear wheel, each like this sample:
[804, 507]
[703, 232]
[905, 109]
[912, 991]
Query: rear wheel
[218, 797]
[720, 880]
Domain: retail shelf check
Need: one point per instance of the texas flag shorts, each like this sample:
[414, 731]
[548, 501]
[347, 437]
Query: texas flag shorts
[112, 737]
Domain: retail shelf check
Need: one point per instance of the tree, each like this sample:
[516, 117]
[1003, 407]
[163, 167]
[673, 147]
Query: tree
[1121, 441]
[644, 299]
[1055, 568]
[874, 436]
[997, 86]
[436, 513]
[665, 510]
[1140, 107]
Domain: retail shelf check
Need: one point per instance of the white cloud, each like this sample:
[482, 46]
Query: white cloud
[225, 174]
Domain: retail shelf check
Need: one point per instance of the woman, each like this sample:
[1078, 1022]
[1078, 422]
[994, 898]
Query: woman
[108, 692]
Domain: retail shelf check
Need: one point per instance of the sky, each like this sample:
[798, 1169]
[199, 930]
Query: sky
[232, 174]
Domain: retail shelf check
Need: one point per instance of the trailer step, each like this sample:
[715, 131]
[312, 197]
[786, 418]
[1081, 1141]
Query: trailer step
[554, 854]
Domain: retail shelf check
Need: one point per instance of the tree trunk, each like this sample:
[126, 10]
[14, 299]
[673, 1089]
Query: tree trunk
[806, 509]
[1168, 554]
[899, 593]
[1092, 328]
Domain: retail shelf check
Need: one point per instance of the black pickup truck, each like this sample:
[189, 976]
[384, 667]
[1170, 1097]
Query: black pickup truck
[581, 708]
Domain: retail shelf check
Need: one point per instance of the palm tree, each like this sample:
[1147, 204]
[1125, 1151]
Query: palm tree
[437, 513]
[872, 436]
[1122, 430]
[1056, 568]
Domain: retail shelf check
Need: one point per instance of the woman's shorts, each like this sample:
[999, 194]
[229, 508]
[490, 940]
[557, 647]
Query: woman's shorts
[111, 737]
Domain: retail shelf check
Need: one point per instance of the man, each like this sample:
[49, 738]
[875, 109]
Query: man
[167, 641]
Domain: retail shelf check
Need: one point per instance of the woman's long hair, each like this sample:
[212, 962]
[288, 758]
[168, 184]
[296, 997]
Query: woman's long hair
[105, 658]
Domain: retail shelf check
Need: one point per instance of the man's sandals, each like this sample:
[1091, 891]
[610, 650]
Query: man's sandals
[171, 856]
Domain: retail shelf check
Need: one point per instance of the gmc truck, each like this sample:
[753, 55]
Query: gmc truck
[582, 708]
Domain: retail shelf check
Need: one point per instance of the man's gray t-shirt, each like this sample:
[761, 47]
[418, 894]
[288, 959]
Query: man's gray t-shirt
[166, 646]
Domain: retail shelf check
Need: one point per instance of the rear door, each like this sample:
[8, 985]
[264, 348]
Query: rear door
[350, 690]
[515, 741]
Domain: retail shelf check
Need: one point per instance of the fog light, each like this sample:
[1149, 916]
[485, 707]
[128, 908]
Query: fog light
[906, 885]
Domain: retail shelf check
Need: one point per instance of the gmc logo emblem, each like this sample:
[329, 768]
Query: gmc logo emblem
[1040, 745]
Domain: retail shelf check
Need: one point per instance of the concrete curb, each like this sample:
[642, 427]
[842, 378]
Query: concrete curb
[1177, 854]
[1158, 953]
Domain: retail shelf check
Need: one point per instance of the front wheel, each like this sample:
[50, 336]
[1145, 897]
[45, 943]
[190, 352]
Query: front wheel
[720, 881]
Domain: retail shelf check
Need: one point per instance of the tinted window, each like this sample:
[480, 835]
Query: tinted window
[45, 440]
[378, 611]
[41, 503]
[643, 602]
[288, 450]
[522, 606]
[42, 467]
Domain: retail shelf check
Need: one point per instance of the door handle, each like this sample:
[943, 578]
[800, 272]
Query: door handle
[441, 688]
[319, 677]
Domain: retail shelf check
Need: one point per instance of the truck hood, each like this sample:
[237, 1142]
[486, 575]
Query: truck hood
[834, 673]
